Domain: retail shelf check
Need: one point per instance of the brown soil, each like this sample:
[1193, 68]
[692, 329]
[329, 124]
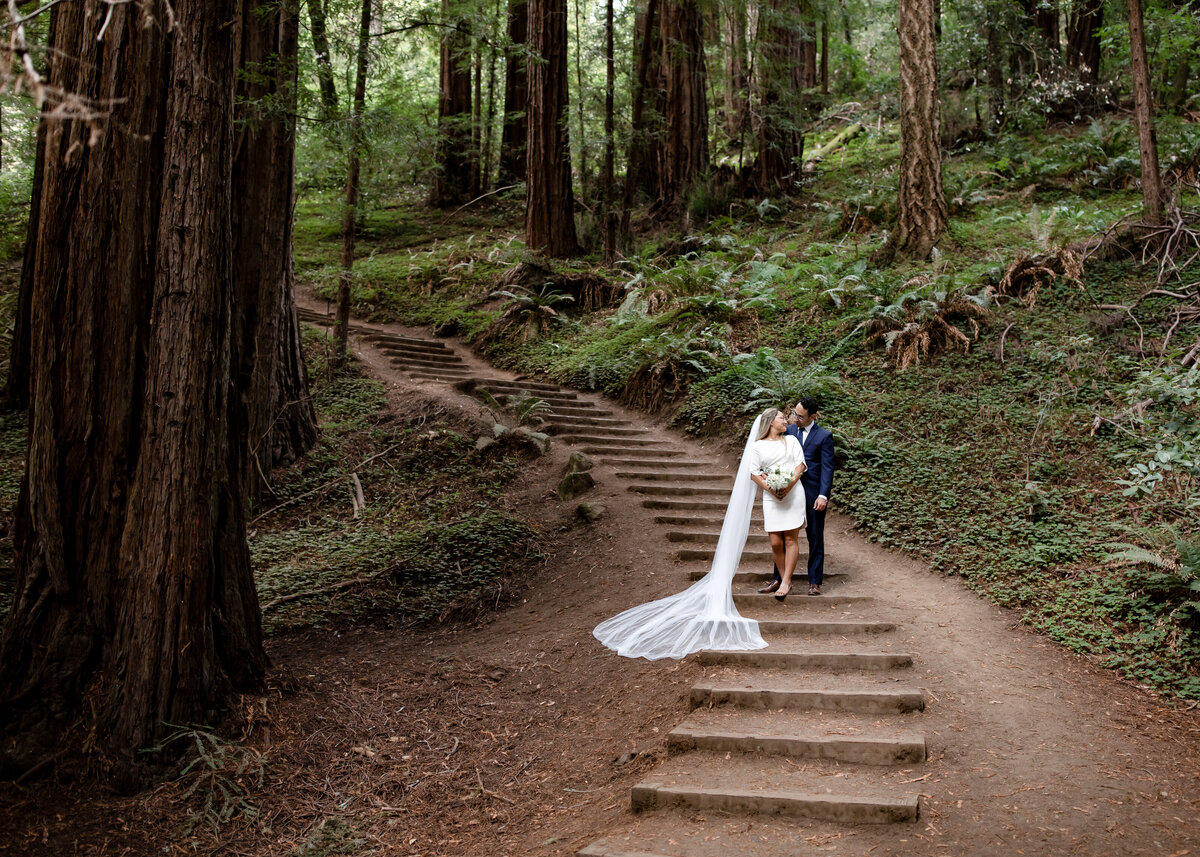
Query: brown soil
[521, 735]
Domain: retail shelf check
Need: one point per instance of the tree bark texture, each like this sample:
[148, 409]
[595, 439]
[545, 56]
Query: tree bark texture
[921, 204]
[135, 606]
[1083, 38]
[1153, 198]
[550, 202]
[280, 417]
[733, 22]
[686, 113]
[995, 75]
[16, 390]
[516, 96]
[610, 82]
[452, 185]
[638, 150]
[781, 72]
[320, 39]
[341, 330]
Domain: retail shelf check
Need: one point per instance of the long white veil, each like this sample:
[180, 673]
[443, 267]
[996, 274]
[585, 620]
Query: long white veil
[702, 616]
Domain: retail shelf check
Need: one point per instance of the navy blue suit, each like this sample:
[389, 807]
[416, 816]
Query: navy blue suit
[816, 481]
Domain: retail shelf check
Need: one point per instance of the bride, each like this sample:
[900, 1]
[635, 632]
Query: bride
[703, 616]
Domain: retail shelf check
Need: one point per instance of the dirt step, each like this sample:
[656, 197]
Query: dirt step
[903, 748]
[407, 343]
[433, 374]
[761, 576]
[570, 428]
[751, 554]
[599, 849]
[610, 442]
[414, 359]
[683, 490]
[796, 693]
[448, 371]
[798, 598]
[805, 627]
[669, 476]
[577, 420]
[684, 505]
[798, 796]
[711, 538]
[654, 465]
[581, 409]
[647, 451]
[772, 660]
[545, 391]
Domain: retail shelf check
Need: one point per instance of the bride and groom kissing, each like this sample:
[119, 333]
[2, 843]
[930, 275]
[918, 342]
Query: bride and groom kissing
[792, 461]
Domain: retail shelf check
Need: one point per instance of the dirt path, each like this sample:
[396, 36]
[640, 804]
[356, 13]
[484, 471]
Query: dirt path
[1030, 749]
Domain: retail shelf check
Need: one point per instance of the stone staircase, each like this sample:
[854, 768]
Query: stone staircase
[821, 727]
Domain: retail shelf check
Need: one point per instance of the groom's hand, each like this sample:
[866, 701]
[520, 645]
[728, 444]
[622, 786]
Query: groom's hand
[820, 503]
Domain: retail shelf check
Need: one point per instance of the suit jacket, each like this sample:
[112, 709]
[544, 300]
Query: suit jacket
[818, 455]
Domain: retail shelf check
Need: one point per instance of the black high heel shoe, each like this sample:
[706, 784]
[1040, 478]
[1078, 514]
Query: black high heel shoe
[781, 598]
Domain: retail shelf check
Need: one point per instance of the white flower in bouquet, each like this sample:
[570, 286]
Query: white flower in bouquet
[778, 477]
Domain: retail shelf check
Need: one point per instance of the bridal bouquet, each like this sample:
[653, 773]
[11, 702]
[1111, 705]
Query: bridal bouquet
[778, 477]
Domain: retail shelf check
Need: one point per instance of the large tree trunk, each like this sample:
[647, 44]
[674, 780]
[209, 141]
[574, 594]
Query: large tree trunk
[282, 424]
[135, 607]
[995, 76]
[16, 390]
[637, 135]
[320, 40]
[686, 147]
[550, 203]
[781, 71]
[733, 20]
[610, 82]
[921, 204]
[341, 330]
[1083, 38]
[516, 96]
[1153, 198]
[452, 185]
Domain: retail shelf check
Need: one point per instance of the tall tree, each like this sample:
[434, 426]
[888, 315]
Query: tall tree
[610, 83]
[341, 331]
[737, 66]
[320, 38]
[1153, 198]
[921, 203]
[685, 149]
[135, 606]
[516, 95]
[638, 150]
[550, 201]
[781, 75]
[456, 164]
[280, 418]
[1083, 38]
[16, 390]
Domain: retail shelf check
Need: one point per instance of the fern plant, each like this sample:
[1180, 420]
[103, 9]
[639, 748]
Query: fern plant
[778, 385]
[533, 312]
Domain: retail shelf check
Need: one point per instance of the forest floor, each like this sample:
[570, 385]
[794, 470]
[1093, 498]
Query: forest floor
[520, 735]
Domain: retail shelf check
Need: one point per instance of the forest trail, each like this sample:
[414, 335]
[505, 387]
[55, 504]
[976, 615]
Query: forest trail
[898, 713]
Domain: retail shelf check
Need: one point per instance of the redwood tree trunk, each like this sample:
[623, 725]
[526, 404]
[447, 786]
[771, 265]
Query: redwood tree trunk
[516, 96]
[135, 606]
[733, 19]
[637, 136]
[610, 82]
[16, 390]
[1153, 198]
[686, 113]
[320, 40]
[341, 331]
[455, 161]
[550, 203]
[780, 139]
[921, 204]
[282, 424]
[1083, 38]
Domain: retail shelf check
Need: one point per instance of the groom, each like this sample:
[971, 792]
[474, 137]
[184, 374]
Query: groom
[817, 482]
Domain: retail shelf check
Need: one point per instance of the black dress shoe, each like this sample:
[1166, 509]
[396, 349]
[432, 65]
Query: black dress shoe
[770, 587]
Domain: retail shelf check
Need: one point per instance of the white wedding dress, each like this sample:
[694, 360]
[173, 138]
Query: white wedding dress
[702, 616]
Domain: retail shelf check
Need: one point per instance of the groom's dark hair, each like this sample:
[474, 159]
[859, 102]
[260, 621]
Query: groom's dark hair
[810, 404]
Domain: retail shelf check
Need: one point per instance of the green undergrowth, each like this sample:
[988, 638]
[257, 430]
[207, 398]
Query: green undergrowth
[1046, 449]
[433, 538]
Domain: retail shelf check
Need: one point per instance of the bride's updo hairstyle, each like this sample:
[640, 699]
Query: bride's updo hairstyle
[764, 424]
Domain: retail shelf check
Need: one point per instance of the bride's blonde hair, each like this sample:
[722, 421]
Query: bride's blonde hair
[764, 425]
